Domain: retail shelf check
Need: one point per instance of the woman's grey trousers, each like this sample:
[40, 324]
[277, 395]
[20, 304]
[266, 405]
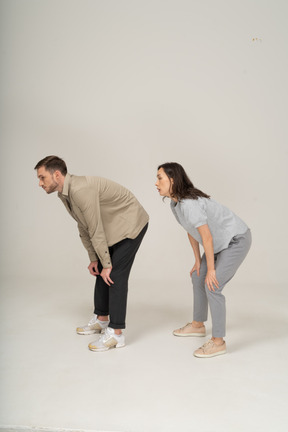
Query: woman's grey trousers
[226, 264]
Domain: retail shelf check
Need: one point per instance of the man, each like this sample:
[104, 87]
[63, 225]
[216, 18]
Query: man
[112, 224]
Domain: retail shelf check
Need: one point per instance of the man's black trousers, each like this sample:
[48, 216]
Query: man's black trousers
[112, 300]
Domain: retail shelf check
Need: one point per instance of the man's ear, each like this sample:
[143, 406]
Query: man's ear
[57, 174]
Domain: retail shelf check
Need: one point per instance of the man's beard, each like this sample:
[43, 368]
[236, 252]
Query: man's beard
[52, 188]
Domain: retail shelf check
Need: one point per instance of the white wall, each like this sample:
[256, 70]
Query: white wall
[117, 87]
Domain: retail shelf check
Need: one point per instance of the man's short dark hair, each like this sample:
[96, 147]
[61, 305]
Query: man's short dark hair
[52, 163]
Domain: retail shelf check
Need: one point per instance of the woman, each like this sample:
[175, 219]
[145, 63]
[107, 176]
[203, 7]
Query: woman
[226, 240]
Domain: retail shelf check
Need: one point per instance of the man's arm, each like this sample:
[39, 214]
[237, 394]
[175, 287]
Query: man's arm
[94, 240]
[84, 236]
[94, 237]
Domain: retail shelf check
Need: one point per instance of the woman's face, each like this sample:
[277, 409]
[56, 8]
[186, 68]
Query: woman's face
[164, 183]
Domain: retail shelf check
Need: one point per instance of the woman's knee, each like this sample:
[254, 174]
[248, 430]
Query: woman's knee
[198, 281]
[195, 278]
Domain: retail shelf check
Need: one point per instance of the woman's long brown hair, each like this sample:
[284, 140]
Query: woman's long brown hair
[182, 187]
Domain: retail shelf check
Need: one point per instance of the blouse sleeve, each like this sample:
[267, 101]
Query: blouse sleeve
[194, 213]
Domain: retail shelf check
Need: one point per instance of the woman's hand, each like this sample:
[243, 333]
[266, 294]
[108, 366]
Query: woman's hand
[211, 280]
[196, 268]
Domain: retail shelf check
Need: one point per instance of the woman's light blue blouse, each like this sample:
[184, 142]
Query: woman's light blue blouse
[222, 222]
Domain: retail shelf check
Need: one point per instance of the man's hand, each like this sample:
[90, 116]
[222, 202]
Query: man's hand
[105, 274]
[93, 268]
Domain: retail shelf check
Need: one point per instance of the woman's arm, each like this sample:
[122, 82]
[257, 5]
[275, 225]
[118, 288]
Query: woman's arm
[195, 246]
[207, 240]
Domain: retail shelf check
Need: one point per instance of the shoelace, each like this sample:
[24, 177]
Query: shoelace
[188, 324]
[92, 320]
[105, 336]
[207, 344]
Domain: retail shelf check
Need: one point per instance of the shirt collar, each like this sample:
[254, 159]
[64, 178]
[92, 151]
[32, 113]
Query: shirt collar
[173, 203]
[66, 185]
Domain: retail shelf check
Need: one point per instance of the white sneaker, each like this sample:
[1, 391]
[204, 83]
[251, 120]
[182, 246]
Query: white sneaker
[108, 340]
[93, 326]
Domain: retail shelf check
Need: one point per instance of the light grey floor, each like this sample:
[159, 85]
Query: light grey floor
[49, 378]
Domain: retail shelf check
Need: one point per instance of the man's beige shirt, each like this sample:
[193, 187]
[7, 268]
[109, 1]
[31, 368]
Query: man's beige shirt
[105, 211]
